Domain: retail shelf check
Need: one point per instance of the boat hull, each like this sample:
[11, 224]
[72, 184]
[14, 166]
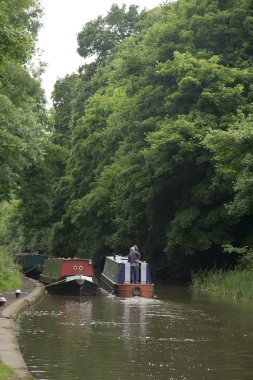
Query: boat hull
[69, 276]
[69, 287]
[127, 290]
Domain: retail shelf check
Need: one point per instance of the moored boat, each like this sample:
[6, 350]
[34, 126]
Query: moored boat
[31, 263]
[69, 276]
[116, 278]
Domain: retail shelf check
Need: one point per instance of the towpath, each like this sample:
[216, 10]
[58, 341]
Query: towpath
[31, 291]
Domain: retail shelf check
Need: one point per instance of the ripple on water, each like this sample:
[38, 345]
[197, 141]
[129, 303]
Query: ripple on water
[110, 338]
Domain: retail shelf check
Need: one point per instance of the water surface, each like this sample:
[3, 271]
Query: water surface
[178, 335]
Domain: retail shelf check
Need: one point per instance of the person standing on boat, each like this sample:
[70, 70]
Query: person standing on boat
[136, 249]
[134, 259]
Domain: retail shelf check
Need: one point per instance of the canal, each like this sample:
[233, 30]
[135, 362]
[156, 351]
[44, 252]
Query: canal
[178, 335]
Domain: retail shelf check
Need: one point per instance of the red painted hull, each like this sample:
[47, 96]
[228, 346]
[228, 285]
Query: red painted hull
[62, 275]
[127, 290]
[136, 290]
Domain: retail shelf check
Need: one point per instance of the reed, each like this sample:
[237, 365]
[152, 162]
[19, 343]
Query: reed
[238, 283]
[10, 275]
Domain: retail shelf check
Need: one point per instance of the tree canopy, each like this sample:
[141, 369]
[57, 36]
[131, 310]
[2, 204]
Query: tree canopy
[22, 116]
[151, 142]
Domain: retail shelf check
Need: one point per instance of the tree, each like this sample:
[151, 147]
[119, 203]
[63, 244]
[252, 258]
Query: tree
[146, 128]
[22, 121]
[233, 163]
[101, 36]
[21, 98]
[19, 23]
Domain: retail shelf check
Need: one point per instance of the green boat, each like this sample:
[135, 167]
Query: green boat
[32, 264]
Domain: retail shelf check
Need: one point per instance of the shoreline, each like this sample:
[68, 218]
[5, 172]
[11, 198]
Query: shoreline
[31, 292]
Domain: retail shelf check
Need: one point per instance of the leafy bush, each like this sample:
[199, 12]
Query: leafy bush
[10, 274]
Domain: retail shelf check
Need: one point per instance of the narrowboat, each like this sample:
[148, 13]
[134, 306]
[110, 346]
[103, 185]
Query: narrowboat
[69, 276]
[31, 263]
[116, 278]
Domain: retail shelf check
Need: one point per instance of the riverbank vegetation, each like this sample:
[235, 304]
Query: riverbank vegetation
[236, 283]
[10, 274]
[5, 372]
[149, 143]
[22, 123]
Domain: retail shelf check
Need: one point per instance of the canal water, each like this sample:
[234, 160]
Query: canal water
[178, 335]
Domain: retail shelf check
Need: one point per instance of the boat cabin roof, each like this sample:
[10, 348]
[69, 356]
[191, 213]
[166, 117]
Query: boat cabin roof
[69, 259]
[117, 270]
[119, 259]
[28, 254]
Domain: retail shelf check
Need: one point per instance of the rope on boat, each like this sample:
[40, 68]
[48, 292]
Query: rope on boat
[55, 283]
[31, 268]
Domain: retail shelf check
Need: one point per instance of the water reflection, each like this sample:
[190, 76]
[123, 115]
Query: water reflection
[178, 335]
[134, 318]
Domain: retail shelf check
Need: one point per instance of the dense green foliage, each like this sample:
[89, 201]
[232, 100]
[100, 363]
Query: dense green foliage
[21, 111]
[101, 36]
[10, 276]
[151, 142]
[22, 123]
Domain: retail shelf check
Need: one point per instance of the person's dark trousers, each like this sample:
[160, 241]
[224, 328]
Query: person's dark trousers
[134, 273]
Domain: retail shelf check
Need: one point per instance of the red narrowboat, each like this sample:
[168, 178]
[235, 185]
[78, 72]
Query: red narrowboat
[69, 276]
[116, 278]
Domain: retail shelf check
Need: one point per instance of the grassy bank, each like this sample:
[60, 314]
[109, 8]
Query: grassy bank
[237, 283]
[10, 275]
[5, 372]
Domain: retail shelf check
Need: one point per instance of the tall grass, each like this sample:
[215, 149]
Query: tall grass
[10, 275]
[238, 283]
